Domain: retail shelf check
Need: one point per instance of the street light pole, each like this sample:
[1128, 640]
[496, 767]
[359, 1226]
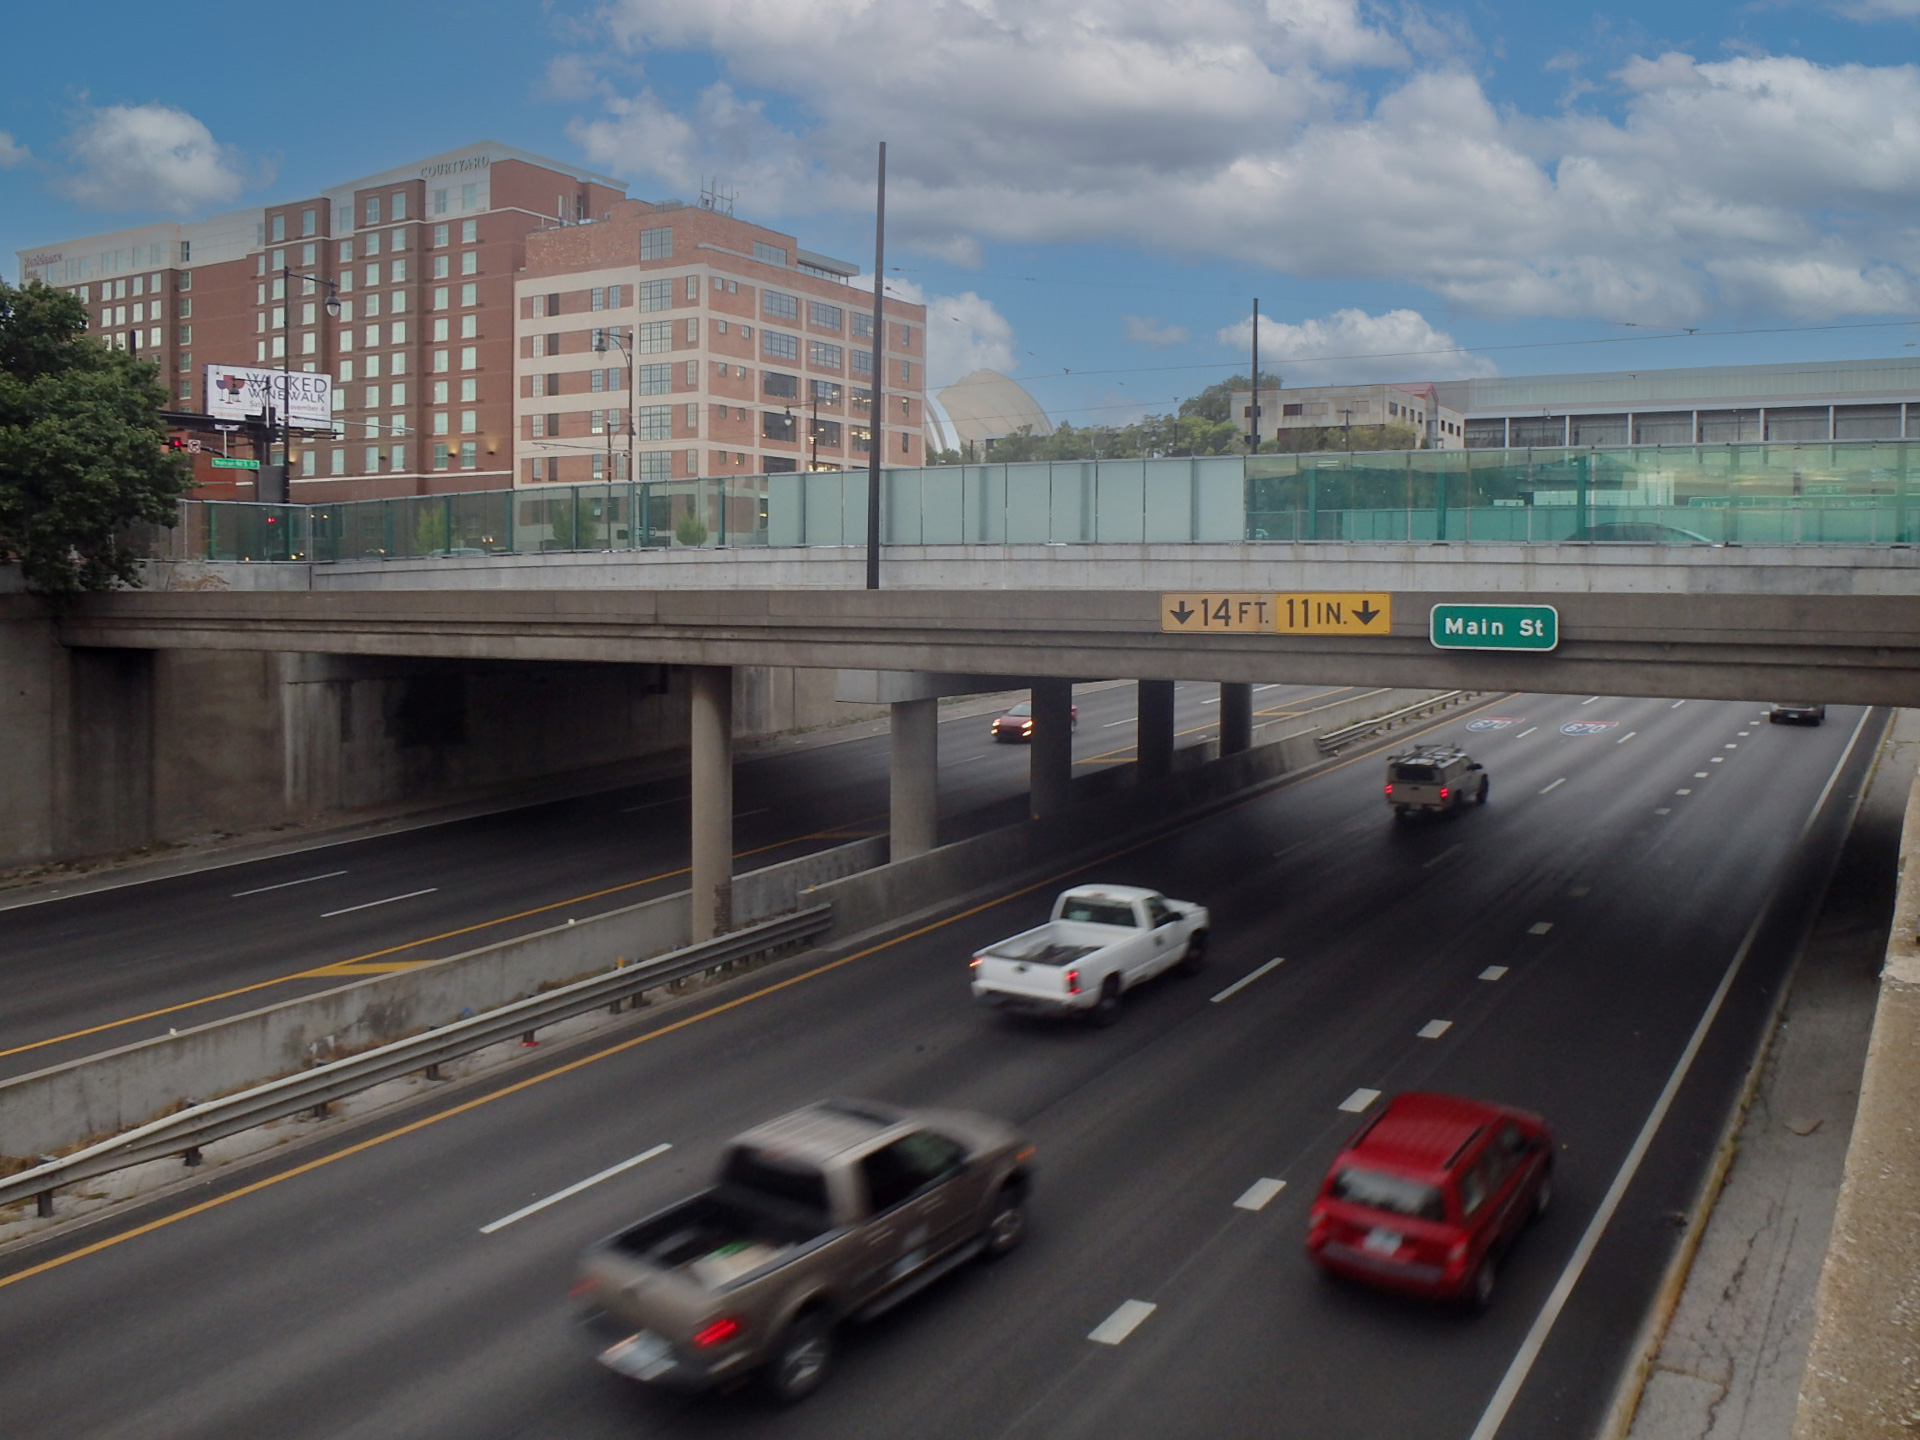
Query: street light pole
[610, 333]
[287, 276]
[878, 414]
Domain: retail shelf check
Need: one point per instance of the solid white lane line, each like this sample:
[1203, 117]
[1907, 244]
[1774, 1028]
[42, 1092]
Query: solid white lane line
[1626, 737]
[655, 804]
[1589, 702]
[744, 814]
[1494, 972]
[1111, 723]
[1359, 1100]
[1522, 1364]
[1248, 979]
[1266, 687]
[349, 909]
[1445, 854]
[1540, 927]
[1555, 785]
[1433, 1029]
[1676, 705]
[1122, 1322]
[1214, 701]
[1526, 732]
[1259, 1194]
[574, 1189]
[306, 880]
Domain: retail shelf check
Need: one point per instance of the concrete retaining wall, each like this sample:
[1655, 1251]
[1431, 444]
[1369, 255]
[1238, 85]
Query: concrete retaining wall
[101, 1095]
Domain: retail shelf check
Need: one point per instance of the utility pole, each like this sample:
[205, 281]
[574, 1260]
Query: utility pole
[878, 413]
[1253, 445]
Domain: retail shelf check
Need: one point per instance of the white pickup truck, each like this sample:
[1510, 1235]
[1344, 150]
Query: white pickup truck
[1102, 941]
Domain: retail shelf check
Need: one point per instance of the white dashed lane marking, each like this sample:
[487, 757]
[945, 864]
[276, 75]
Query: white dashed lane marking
[348, 910]
[284, 884]
[1540, 927]
[1626, 737]
[1434, 1029]
[1248, 979]
[1683, 792]
[1359, 1100]
[1446, 854]
[1122, 1322]
[1494, 972]
[1259, 1194]
[1676, 705]
[1526, 732]
[1555, 785]
[1590, 701]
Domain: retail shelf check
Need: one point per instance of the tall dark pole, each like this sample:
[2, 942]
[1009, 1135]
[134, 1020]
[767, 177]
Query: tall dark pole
[878, 414]
[1254, 447]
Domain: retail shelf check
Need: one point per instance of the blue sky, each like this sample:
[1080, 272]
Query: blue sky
[1087, 195]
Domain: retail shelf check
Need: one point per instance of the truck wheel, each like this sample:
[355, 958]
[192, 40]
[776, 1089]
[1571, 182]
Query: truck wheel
[1195, 960]
[1481, 797]
[1106, 1009]
[1007, 1225]
[798, 1365]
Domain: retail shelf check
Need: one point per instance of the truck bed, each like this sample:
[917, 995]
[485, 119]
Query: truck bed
[715, 1238]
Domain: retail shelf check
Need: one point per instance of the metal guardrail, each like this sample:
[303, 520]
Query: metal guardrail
[184, 1132]
[1332, 741]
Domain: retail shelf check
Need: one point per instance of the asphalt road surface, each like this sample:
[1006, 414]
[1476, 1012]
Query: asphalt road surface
[95, 971]
[1627, 881]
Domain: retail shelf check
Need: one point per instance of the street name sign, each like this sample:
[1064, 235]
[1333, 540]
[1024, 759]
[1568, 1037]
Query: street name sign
[1288, 613]
[223, 462]
[1494, 627]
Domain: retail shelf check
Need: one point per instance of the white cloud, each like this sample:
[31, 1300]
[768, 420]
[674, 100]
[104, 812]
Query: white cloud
[1871, 10]
[12, 153]
[1147, 330]
[964, 332]
[1318, 137]
[150, 157]
[1351, 347]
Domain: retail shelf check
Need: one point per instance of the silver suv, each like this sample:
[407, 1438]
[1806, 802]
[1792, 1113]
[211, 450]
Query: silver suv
[1434, 778]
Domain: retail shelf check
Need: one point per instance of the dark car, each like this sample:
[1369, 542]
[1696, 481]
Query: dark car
[1639, 532]
[1795, 712]
[1429, 1194]
[1017, 723]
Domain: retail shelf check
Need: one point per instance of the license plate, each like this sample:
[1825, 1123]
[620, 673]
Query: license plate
[1382, 1242]
[642, 1356]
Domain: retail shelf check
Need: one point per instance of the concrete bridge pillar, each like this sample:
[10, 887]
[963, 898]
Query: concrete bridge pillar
[1051, 761]
[711, 744]
[1236, 717]
[913, 779]
[1153, 727]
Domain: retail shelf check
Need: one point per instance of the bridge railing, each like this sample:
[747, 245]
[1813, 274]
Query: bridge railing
[1778, 493]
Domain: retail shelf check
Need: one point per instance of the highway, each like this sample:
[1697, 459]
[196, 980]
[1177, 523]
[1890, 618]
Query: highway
[1576, 936]
[94, 971]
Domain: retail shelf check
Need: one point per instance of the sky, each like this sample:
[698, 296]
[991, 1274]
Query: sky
[1090, 194]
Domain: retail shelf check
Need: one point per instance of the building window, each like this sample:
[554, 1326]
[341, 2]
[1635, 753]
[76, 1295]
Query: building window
[769, 254]
[655, 422]
[439, 457]
[827, 317]
[863, 362]
[397, 459]
[186, 334]
[656, 379]
[776, 386]
[655, 336]
[597, 298]
[777, 346]
[396, 394]
[776, 426]
[469, 455]
[279, 227]
[656, 464]
[397, 272]
[469, 197]
[369, 307]
[469, 422]
[827, 432]
[372, 218]
[657, 244]
[439, 205]
[906, 372]
[469, 294]
[439, 233]
[826, 356]
[693, 331]
[439, 361]
[469, 357]
[439, 267]
[656, 294]
[862, 439]
[906, 443]
[827, 392]
[370, 460]
[779, 306]
[469, 327]
[863, 325]
[440, 423]
[470, 390]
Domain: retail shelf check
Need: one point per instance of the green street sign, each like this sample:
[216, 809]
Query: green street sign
[223, 462]
[1494, 627]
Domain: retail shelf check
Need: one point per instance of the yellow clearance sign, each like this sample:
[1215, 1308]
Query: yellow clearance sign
[1339, 612]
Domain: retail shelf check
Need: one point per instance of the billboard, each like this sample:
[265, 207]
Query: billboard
[244, 392]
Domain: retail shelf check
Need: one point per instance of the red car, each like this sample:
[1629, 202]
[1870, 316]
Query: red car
[1017, 723]
[1428, 1195]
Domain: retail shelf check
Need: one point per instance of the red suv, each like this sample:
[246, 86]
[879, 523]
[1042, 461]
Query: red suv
[1428, 1195]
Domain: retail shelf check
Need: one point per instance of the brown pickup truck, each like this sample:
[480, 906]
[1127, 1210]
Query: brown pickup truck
[836, 1212]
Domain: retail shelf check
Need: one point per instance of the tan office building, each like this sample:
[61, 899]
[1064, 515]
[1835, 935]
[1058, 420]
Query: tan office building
[1325, 407]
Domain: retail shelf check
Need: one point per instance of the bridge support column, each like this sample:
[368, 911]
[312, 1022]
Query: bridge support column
[1050, 765]
[1236, 717]
[913, 779]
[711, 743]
[1153, 728]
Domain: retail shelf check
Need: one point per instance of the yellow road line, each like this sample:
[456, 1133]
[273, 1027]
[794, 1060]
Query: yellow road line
[361, 964]
[668, 1029]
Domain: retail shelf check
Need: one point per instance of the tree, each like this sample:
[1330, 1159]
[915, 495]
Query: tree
[1214, 402]
[82, 448]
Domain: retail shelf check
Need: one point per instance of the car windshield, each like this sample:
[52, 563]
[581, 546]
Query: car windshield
[1023, 709]
[1098, 912]
[1415, 773]
[1378, 1191]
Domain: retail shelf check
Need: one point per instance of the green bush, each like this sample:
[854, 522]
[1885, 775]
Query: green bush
[690, 529]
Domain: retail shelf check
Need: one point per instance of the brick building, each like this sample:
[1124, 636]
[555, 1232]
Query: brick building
[663, 341]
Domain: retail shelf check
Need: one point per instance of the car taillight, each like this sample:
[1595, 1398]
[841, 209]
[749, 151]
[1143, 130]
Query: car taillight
[974, 964]
[1073, 982]
[585, 1285]
[718, 1333]
[1389, 787]
[1443, 792]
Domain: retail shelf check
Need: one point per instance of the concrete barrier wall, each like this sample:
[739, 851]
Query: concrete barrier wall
[103, 1094]
[100, 1095]
[1862, 1380]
